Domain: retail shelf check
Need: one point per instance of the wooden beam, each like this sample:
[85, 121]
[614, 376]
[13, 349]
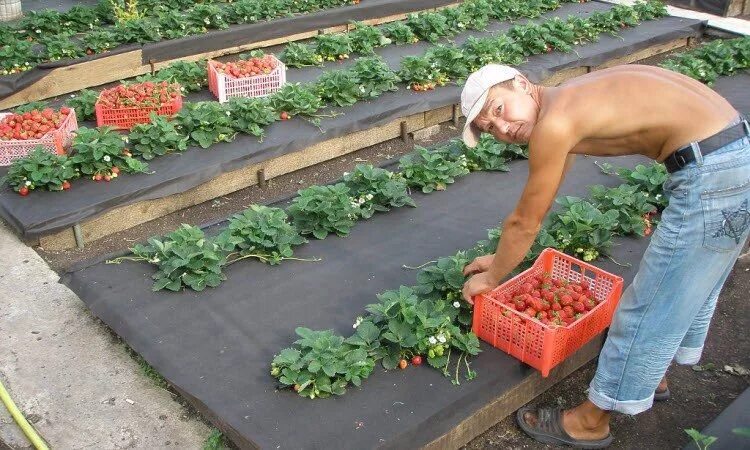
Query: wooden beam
[507, 403]
[128, 216]
[737, 7]
[127, 65]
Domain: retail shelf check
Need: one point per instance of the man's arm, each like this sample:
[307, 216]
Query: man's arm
[548, 161]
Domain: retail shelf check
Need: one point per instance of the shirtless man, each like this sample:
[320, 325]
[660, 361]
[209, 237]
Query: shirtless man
[664, 314]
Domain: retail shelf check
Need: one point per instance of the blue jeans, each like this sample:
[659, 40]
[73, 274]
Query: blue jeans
[664, 314]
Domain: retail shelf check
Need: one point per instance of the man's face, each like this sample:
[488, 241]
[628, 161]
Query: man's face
[509, 113]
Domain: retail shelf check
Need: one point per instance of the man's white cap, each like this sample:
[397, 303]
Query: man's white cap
[475, 92]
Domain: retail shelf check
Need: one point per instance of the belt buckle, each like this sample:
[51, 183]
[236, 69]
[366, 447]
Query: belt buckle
[679, 160]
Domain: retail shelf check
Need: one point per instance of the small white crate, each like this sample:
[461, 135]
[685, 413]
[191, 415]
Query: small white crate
[225, 86]
[55, 141]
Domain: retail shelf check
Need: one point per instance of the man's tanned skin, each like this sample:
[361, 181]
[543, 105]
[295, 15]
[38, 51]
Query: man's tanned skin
[624, 110]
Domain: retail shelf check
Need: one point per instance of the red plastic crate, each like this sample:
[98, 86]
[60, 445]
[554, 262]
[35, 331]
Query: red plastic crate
[225, 86]
[55, 141]
[544, 346]
[127, 118]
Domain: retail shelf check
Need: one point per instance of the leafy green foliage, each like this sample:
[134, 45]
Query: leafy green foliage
[156, 138]
[185, 258]
[300, 55]
[84, 102]
[634, 207]
[333, 46]
[319, 210]
[296, 99]
[490, 154]
[205, 123]
[322, 364]
[374, 76]
[191, 76]
[366, 38]
[650, 10]
[701, 440]
[215, 441]
[262, 232]
[431, 170]
[16, 57]
[96, 151]
[100, 41]
[429, 26]
[250, 115]
[582, 230]
[60, 46]
[339, 87]
[207, 16]
[449, 61]
[375, 189]
[709, 61]
[420, 70]
[28, 107]
[40, 170]
[444, 281]
[479, 52]
[400, 33]
[649, 179]
[138, 31]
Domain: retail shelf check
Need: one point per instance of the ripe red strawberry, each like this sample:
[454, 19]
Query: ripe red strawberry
[526, 288]
[546, 306]
[531, 312]
[24, 191]
[284, 115]
[115, 169]
[98, 177]
[541, 315]
[547, 295]
[568, 311]
[578, 307]
[576, 288]
[416, 360]
[556, 306]
[65, 185]
[536, 294]
[584, 285]
[520, 305]
[566, 300]
[107, 178]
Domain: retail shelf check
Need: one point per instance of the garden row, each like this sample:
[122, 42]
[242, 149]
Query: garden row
[88, 30]
[206, 123]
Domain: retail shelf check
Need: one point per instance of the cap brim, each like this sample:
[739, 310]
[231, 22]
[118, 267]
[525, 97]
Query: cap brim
[471, 134]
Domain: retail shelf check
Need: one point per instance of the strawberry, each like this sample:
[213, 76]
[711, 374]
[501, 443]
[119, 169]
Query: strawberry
[24, 191]
[566, 300]
[107, 178]
[526, 288]
[584, 285]
[65, 185]
[416, 360]
[284, 115]
[402, 364]
[556, 306]
[531, 312]
[576, 288]
[98, 177]
[541, 315]
[115, 169]
[578, 307]
[568, 311]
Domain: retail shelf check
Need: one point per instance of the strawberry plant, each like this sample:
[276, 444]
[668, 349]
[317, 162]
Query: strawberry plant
[101, 153]
[420, 73]
[175, 25]
[260, 232]
[320, 210]
[625, 15]
[649, 179]
[138, 31]
[190, 76]
[156, 138]
[472, 15]
[604, 22]
[40, 170]
[559, 34]
[444, 280]
[99, 41]
[479, 52]
[708, 62]
[488, 154]
[400, 33]
[339, 87]
[429, 26]
[582, 230]
[29, 107]
[184, 258]
[80, 18]
[634, 206]
[531, 37]
[207, 16]
[511, 9]
[650, 10]
[430, 171]
[38, 23]
[250, 11]
[300, 55]
[16, 57]
[365, 39]
[322, 364]
[296, 99]
[250, 115]
[449, 61]
[60, 46]
[374, 76]
[205, 123]
[33, 124]
[333, 46]
[375, 189]
[583, 30]
[84, 102]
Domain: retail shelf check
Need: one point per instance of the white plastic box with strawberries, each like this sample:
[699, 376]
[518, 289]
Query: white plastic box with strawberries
[254, 77]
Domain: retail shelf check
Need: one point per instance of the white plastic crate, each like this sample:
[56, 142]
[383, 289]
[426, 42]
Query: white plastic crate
[225, 86]
[55, 141]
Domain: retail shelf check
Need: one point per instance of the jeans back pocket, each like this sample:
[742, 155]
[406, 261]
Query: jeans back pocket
[726, 214]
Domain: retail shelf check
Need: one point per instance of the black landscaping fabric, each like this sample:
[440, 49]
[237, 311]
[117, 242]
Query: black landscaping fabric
[717, 7]
[217, 345]
[737, 415]
[233, 36]
[736, 89]
[44, 213]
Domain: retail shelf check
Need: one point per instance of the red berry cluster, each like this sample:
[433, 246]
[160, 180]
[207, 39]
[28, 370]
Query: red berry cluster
[551, 301]
[248, 68]
[148, 94]
[31, 125]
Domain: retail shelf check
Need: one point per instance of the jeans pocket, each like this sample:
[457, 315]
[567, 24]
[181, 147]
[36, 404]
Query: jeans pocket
[726, 217]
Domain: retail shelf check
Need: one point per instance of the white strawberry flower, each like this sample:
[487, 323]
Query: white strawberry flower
[28, 183]
[369, 196]
[107, 158]
[442, 339]
[228, 113]
[456, 305]
[357, 322]
[346, 173]
[658, 196]
[354, 204]
[432, 340]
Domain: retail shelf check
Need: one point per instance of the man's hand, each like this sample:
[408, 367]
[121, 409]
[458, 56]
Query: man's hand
[479, 265]
[478, 284]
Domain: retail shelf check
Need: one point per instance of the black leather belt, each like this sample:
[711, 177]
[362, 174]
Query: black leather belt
[685, 155]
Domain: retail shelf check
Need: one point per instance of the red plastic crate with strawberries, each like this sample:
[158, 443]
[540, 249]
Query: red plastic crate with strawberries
[20, 134]
[549, 311]
[125, 106]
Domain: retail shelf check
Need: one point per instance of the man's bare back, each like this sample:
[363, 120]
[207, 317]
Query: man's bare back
[634, 109]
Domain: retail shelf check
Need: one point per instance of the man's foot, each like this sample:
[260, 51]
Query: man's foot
[585, 426]
[662, 391]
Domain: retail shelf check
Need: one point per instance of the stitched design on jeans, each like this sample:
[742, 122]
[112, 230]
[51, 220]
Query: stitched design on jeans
[735, 222]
